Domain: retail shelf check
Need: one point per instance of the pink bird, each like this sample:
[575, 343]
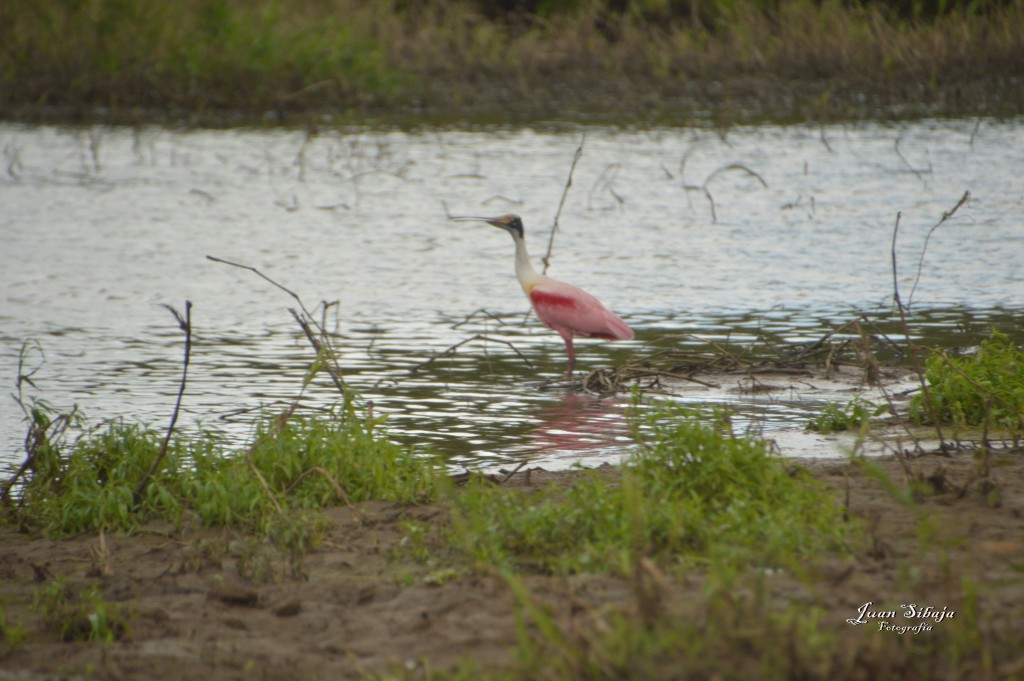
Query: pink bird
[563, 307]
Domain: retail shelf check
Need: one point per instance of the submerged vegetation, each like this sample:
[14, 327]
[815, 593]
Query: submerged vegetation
[203, 59]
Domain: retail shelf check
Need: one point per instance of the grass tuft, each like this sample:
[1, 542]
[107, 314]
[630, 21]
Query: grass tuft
[984, 389]
[296, 463]
[78, 612]
[836, 418]
[693, 493]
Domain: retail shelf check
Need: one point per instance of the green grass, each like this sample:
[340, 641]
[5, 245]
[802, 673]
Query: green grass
[693, 494]
[296, 463]
[836, 418]
[980, 390]
[12, 634]
[78, 612]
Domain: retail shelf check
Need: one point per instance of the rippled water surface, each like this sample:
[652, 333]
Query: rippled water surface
[102, 226]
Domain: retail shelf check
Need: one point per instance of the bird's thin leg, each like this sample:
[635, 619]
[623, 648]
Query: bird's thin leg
[572, 356]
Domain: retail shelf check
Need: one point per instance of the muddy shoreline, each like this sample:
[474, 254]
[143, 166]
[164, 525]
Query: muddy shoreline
[197, 602]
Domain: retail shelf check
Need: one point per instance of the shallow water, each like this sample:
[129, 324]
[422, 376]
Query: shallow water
[100, 227]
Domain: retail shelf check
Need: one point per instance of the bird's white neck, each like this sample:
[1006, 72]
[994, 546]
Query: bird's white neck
[528, 277]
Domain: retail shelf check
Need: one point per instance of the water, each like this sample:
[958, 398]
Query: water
[101, 227]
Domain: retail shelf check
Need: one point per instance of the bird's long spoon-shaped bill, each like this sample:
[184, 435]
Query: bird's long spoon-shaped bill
[500, 221]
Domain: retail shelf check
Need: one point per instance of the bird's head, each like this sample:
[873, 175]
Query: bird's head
[512, 224]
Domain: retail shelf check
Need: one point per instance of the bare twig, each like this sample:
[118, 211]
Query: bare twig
[824, 139]
[974, 133]
[300, 157]
[682, 163]
[707, 193]
[910, 347]
[508, 476]
[474, 314]
[263, 481]
[604, 183]
[338, 489]
[920, 262]
[452, 348]
[255, 271]
[499, 197]
[332, 366]
[36, 434]
[319, 340]
[565, 192]
[734, 166]
[919, 173]
[185, 324]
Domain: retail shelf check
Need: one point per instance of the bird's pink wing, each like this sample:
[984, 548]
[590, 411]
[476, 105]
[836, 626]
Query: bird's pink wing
[566, 308]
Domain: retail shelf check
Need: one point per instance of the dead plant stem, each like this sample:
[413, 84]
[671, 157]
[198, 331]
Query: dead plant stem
[915, 365]
[185, 324]
[558, 214]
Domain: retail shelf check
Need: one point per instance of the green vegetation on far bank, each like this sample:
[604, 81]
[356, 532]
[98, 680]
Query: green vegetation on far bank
[209, 60]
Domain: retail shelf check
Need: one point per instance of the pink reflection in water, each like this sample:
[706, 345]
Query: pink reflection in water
[579, 425]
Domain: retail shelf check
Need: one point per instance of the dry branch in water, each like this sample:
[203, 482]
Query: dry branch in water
[40, 435]
[185, 324]
[715, 173]
[474, 314]
[450, 350]
[924, 249]
[604, 183]
[904, 309]
[565, 192]
[320, 340]
[918, 172]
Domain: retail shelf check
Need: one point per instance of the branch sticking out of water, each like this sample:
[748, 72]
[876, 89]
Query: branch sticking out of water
[314, 330]
[185, 324]
[450, 350]
[704, 187]
[565, 192]
[920, 262]
[918, 369]
[478, 313]
[603, 183]
[43, 430]
[255, 271]
[316, 334]
[917, 171]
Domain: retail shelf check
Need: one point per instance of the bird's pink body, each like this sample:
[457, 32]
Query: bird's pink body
[571, 311]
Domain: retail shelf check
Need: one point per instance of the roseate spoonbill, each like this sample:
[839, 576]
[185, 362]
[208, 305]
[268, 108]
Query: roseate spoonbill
[563, 307]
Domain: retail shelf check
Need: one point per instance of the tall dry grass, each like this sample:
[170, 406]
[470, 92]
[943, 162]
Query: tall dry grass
[281, 55]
